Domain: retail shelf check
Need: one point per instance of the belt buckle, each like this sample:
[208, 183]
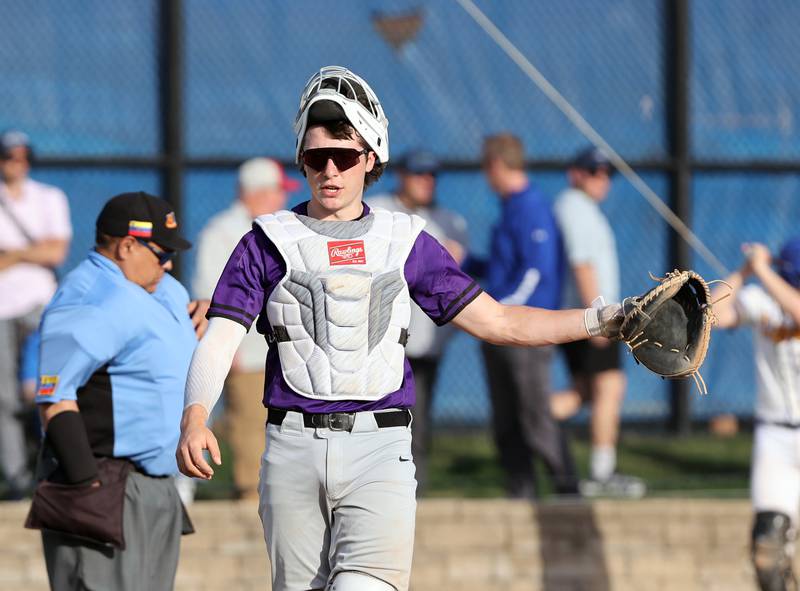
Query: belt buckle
[341, 421]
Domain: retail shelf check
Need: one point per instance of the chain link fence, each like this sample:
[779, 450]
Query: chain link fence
[85, 80]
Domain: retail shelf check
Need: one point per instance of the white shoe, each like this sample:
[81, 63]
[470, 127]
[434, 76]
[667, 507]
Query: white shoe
[617, 485]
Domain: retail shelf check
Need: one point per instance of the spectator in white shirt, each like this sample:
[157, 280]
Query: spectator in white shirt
[35, 231]
[415, 194]
[262, 188]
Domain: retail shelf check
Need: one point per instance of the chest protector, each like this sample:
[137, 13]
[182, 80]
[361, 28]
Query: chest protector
[340, 314]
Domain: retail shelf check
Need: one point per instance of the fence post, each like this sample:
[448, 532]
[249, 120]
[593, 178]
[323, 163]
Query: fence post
[171, 94]
[678, 73]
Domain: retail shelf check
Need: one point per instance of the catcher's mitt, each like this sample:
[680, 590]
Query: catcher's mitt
[668, 329]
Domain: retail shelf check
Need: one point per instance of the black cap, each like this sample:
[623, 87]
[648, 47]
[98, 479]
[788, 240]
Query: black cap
[592, 159]
[142, 216]
[419, 162]
[13, 138]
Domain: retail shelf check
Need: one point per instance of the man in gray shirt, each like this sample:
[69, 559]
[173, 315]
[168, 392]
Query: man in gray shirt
[415, 193]
[595, 364]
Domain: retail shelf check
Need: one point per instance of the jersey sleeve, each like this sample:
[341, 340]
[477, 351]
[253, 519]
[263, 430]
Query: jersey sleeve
[76, 341]
[756, 307]
[239, 294]
[436, 283]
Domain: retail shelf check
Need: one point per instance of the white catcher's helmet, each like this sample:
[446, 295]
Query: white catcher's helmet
[335, 93]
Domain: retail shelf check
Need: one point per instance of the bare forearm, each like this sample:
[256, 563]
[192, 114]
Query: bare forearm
[725, 298]
[787, 296]
[534, 327]
[496, 323]
[47, 253]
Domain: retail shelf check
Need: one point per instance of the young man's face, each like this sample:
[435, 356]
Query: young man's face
[493, 170]
[336, 193]
[16, 165]
[418, 188]
[596, 184]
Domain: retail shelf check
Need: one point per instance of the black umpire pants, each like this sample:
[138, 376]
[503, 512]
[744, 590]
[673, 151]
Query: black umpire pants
[524, 428]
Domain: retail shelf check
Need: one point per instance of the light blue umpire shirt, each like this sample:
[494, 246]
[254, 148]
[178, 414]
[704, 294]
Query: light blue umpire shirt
[123, 355]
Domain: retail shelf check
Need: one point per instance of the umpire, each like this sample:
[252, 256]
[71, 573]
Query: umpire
[117, 339]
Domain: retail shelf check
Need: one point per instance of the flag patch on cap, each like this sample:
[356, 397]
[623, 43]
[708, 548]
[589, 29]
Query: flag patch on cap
[140, 229]
[47, 385]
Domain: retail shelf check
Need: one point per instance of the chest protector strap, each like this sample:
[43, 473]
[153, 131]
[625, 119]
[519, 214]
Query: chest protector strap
[340, 314]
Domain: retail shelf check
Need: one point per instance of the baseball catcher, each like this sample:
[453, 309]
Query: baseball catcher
[668, 329]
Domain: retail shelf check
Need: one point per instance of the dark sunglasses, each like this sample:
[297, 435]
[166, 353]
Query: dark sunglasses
[25, 158]
[343, 158]
[601, 170]
[163, 256]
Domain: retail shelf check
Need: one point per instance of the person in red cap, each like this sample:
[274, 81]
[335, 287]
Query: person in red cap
[262, 188]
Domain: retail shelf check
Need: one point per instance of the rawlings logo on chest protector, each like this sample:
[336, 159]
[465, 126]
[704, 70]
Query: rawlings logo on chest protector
[346, 252]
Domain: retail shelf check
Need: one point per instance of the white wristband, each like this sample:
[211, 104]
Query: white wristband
[591, 321]
[591, 317]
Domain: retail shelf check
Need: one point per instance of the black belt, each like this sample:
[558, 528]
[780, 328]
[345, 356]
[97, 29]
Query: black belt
[280, 334]
[342, 421]
[785, 425]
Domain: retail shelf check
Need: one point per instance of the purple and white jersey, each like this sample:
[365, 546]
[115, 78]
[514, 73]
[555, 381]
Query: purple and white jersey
[435, 283]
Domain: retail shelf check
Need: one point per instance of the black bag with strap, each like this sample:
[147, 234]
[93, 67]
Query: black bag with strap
[88, 511]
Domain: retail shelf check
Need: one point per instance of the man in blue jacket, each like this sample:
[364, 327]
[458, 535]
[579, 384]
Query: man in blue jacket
[525, 267]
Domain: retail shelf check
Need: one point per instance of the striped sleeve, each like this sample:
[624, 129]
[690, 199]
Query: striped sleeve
[239, 294]
[436, 283]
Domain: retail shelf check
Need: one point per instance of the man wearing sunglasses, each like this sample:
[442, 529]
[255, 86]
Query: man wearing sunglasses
[332, 282]
[116, 342]
[595, 365]
[35, 232]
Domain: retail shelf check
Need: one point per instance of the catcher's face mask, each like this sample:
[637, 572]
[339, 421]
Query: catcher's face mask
[335, 93]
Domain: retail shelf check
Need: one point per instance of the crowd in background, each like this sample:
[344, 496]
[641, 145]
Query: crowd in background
[539, 256]
[550, 256]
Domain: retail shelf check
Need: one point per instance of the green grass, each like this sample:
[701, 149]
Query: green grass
[698, 464]
[464, 464]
